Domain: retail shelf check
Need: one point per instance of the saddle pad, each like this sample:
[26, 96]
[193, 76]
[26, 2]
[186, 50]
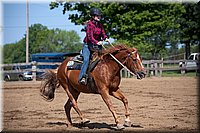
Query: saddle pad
[78, 58]
[73, 65]
[76, 63]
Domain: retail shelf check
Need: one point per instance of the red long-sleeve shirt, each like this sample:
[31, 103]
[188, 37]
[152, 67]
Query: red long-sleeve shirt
[94, 32]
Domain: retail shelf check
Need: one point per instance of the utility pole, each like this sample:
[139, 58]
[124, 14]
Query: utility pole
[27, 32]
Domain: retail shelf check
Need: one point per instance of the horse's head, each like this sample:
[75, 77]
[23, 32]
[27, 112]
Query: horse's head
[130, 58]
[134, 63]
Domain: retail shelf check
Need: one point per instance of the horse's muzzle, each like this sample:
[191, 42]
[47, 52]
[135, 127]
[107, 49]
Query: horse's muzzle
[141, 74]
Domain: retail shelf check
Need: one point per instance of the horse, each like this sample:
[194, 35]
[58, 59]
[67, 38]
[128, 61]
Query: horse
[106, 77]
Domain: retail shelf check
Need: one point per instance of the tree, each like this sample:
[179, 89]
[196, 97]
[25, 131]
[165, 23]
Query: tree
[67, 41]
[8, 52]
[143, 25]
[189, 21]
[42, 40]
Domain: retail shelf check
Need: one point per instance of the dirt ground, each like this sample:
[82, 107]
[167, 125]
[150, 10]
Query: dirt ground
[155, 104]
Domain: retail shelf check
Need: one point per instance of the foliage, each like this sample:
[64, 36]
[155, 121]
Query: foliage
[42, 40]
[190, 26]
[190, 22]
[149, 27]
[155, 29]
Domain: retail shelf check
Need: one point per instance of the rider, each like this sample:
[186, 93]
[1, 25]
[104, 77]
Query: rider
[94, 33]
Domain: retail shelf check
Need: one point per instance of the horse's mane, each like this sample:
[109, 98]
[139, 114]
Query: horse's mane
[115, 48]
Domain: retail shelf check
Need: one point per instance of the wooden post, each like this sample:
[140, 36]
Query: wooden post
[129, 75]
[125, 73]
[182, 71]
[121, 73]
[148, 74]
[34, 69]
[156, 68]
[160, 67]
[152, 69]
[183, 67]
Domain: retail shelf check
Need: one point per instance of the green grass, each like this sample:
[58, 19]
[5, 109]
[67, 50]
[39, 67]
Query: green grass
[178, 74]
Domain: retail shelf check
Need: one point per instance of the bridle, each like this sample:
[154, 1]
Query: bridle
[134, 60]
[135, 73]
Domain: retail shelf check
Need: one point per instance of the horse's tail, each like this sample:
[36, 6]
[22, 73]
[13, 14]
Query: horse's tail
[49, 84]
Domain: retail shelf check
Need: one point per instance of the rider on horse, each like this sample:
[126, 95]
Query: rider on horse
[94, 34]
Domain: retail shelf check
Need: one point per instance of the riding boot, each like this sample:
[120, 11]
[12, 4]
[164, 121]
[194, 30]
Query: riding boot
[83, 80]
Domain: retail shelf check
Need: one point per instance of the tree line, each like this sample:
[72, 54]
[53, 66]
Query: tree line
[155, 29]
[42, 40]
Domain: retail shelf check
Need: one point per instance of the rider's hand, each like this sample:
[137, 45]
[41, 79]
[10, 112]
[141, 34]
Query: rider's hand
[107, 40]
[100, 43]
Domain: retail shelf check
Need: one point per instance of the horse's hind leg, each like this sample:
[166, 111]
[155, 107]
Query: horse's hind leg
[72, 102]
[68, 107]
[119, 95]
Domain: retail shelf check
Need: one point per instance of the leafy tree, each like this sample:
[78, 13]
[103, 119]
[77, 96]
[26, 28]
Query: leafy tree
[14, 52]
[147, 26]
[42, 40]
[67, 41]
[8, 53]
[190, 26]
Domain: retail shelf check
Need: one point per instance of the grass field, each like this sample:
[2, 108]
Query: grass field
[178, 74]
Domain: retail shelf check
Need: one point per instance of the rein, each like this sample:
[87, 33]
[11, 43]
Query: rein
[122, 64]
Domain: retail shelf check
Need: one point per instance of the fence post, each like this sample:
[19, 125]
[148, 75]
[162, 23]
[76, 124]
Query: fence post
[126, 73]
[161, 66]
[183, 67]
[156, 68]
[129, 74]
[152, 69]
[148, 74]
[34, 70]
[182, 71]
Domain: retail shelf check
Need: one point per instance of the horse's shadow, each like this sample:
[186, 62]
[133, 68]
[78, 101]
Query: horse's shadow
[93, 125]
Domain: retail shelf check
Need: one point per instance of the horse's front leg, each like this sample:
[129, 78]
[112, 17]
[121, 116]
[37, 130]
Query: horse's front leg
[105, 95]
[120, 96]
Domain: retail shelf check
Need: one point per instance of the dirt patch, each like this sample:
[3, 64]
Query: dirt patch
[155, 104]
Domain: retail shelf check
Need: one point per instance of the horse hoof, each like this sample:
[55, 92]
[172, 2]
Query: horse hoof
[127, 123]
[69, 125]
[84, 121]
[120, 126]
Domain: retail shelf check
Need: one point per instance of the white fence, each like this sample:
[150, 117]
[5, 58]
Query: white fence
[152, 67]
[156, 67]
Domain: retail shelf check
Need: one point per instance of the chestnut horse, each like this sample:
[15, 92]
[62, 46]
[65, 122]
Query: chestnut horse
[106, 77]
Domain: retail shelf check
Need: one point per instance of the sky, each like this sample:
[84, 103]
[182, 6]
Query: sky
[14, 19]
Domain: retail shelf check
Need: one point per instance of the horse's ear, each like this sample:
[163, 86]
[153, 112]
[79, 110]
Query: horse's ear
[134, 50]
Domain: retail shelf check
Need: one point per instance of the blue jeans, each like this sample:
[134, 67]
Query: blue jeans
[86, 59]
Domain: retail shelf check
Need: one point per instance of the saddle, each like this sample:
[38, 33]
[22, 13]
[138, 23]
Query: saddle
[76, 63]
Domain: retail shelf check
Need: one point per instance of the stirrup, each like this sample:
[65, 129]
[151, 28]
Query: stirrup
[83, 81]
